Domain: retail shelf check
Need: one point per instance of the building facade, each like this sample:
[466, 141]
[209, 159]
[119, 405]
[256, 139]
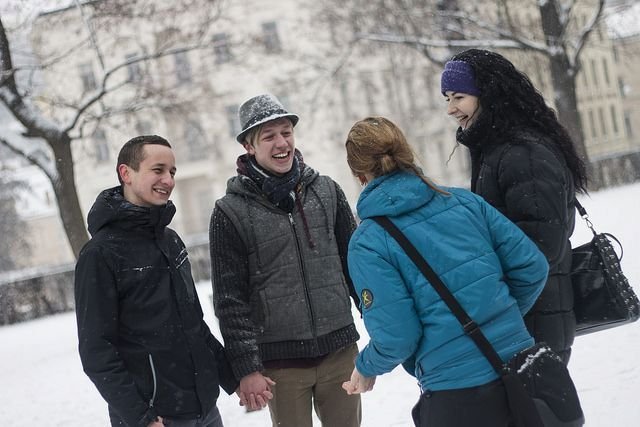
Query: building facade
[183, 76]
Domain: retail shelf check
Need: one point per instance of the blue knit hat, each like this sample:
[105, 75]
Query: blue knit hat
[458, 76]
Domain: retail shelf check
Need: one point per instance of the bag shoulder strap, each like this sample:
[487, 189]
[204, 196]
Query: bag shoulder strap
[470, 327]
[581, 210]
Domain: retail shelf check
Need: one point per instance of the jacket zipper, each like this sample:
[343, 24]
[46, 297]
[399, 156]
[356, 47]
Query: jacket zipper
[155, 385]
[304, 277]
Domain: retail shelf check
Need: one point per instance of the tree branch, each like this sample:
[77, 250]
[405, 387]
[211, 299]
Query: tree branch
[584, 35]
[36, 157]
[439, 43]
[97, 96]
[492, 29]
[334, 71]
[19, 107]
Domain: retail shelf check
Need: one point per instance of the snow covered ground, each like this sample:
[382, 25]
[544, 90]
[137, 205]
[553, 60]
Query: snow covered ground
[42, 383]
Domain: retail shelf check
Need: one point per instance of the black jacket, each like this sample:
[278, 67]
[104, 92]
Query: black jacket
[522, 174]
[142, 337]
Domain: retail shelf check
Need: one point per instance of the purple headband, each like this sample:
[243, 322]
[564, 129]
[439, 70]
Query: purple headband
[458, 76]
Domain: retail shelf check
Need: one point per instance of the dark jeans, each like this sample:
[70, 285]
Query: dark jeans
[212, 419]
[485, 405]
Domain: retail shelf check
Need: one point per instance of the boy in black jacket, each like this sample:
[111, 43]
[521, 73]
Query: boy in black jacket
[142, 337]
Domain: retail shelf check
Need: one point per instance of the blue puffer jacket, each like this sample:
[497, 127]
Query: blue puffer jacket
[489, 264]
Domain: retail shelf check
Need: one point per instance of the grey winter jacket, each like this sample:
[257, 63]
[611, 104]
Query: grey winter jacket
[280, 290]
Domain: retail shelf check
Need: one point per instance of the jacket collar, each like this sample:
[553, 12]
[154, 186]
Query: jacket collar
[111, 208]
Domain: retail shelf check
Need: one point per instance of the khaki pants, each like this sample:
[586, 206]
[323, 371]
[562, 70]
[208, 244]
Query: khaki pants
[296, 389]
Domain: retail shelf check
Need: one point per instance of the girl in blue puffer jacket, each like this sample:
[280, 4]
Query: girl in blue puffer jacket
[487, 262]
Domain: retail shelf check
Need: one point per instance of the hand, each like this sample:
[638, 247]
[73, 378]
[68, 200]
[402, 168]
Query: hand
[157, 423]
[358, 383]
[255, 390]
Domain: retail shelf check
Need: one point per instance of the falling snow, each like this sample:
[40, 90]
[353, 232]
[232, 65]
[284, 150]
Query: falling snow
[43, 382]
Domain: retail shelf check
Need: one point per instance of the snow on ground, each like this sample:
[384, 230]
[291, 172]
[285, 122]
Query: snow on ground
[41, 380]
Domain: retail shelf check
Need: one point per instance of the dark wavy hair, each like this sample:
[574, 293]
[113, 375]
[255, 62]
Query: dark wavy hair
[511, 100]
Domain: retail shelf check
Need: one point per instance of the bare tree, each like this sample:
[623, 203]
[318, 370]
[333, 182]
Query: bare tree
[52, 120]
[553, 29]
[13, 245]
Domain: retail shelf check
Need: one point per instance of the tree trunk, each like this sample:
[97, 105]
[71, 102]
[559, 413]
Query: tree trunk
[67, 196]
[563, 77]
[566, 102]
[64, 185]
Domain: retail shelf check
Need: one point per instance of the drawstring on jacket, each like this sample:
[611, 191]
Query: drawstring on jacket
[304, 223]
[155, 383]
[325, 212]
[253, 233]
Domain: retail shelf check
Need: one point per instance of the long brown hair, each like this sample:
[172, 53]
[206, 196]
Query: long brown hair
[376, 146]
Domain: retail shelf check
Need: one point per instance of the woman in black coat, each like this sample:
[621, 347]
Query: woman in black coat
[524, 163]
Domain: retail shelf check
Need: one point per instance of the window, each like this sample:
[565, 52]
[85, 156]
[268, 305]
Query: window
[603, 123]
[614, 118]
[581, 121]
[87, 77]
[143, 127]
[583, 72]
[204, 204]
[369, 91]
[232, 120]
[622, 88]
[222, 48]
[540, 78]
[594, 72]
[333, 32]
[344, 97]
[270, 37]
[434, 97]
[389, 82]
[628, 127]
[605, 67]
[182, 67]
[442, 156]
[102, 148]
[195, 139]
[284, 100]
[133, 69]
[592, 121]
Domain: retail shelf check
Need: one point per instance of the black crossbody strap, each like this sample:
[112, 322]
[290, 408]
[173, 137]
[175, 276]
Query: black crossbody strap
[583, 213]
[470, 327]
[581, 210]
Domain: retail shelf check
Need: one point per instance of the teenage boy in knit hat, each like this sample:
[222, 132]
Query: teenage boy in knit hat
[142, 338]
[278, 241]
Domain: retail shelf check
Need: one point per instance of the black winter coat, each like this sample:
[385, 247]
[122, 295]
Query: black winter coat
[522, 174]
[142, 337]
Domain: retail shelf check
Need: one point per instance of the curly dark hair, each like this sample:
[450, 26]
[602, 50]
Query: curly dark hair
[511, 100]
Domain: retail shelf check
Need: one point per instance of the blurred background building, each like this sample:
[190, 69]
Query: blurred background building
[183, 76]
